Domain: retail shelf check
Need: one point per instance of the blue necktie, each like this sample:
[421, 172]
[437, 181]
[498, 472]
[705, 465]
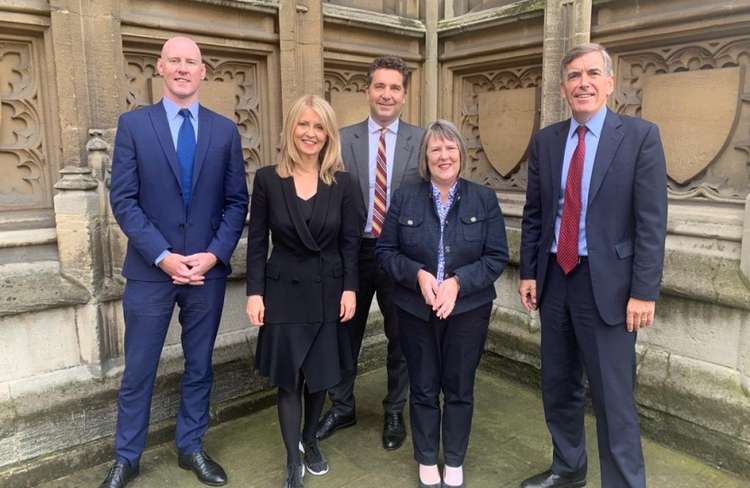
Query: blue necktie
[186, 154]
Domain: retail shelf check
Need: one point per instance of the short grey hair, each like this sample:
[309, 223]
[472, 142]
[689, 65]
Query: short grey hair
[583, 49]
[441, 129]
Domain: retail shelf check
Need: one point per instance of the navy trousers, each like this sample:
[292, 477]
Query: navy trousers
[574, 339]
[442, 356]
[148, 308]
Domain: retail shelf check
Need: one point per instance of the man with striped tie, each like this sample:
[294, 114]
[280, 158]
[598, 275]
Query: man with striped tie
[381, 152]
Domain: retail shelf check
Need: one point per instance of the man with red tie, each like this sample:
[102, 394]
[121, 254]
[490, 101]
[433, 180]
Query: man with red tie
[592, 252]
[381, 153]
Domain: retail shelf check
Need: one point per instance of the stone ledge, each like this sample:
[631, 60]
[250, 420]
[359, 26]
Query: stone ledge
[373, 20]
[28, 287]
[490, 17]
[692, 405]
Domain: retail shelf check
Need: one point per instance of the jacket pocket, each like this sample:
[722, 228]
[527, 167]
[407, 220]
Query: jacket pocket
[409, 228]
[472, 226]
[624, 249]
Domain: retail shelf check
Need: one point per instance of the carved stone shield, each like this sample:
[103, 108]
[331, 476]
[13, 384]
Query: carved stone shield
[696, 112]
[506, 123]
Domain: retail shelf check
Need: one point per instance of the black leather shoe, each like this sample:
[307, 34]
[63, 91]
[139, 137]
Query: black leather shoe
[548, 479]
[295, 476]
[206, 469]
[120, 474]
[394, 431]
[331, 422]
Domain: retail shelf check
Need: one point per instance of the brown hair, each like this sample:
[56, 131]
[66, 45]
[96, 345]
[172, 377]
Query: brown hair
[389, 62]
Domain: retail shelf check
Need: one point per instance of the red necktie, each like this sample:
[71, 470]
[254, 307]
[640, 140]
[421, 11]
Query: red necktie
[567, 242]
[381, 187]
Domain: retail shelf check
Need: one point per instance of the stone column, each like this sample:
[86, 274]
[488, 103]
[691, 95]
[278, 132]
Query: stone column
[567, 23]
[430, 93]
[90, 92]
[301, 48]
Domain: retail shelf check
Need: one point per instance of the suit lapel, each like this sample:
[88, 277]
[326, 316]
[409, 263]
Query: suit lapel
[158, 117]
[361, 151]
[320, 209]
[290, 197]
[557, 153]
[404, 148]
[609, 141]
[205, 121]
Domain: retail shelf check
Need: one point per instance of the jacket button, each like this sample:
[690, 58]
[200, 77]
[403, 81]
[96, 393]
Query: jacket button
[410, 222]
[473, 219]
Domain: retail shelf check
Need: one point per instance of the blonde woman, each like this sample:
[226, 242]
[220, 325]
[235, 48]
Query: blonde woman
[301, 293]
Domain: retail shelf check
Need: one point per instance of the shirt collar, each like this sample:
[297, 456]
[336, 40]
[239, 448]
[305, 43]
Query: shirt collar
[451, 192]
[594, 125]
[173, 110]
[374, 127]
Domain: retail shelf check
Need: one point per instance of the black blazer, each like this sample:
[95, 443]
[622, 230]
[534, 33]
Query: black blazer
[309, 267]
[626, 221]
[474, 243]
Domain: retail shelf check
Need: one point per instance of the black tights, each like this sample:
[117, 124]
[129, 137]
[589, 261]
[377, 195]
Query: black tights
[289, 406]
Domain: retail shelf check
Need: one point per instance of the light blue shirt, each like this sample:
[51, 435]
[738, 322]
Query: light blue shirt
[175, 122]
[391, 132]
[592, 137]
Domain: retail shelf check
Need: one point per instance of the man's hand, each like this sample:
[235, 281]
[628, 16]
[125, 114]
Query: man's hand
[348, 305]
[640, 314]
[199, 264]
[256, 310]
[527, 290]
[445, 298]
[175, 266]
[428, 286]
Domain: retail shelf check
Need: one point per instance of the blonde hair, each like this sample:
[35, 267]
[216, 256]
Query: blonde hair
[440, 129]
[329, 157]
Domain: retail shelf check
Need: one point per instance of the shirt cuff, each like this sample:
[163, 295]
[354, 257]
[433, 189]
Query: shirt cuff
[161, 257]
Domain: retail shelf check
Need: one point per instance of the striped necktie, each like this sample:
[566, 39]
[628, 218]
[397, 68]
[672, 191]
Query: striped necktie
[381, 187]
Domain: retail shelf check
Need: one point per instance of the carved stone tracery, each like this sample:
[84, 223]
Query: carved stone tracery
[23, 164]
[724, 179]
[242, 74]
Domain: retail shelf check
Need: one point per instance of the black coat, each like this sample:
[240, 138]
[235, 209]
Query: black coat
[309, 268]
[474, 244]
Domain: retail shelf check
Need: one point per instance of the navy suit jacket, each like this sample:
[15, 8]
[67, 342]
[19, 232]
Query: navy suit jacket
[626, 219]
[146, 196]
[474, 244]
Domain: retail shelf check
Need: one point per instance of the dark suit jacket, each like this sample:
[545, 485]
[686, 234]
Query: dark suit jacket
[355, 149]
[474, 244]
[309, 267]
[146, 196]
[627, 212]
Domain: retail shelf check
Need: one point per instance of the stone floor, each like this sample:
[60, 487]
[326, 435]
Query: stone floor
[509, 441]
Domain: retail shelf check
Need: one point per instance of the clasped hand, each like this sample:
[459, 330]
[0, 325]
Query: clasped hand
[188, 270]
[441, 297]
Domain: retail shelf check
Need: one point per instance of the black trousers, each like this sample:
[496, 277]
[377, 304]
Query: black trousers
[443, 355]
[575, 338]
[373, 282]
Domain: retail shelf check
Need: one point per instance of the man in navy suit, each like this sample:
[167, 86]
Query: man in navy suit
[592, 252]
[180, 196]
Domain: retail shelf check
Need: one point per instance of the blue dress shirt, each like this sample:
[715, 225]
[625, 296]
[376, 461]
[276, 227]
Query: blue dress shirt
[391, 132]
[593, 135]
[175, 122]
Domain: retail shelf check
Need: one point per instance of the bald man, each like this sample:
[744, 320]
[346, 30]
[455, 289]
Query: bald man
[179, 194]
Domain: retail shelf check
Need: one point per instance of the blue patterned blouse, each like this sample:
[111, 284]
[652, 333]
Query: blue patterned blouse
[442, 211]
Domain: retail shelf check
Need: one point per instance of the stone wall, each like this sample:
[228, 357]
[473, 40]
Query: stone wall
[68, 68]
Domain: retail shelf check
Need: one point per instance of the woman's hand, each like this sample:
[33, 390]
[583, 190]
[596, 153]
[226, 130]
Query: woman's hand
[446, 298]
[348, 305]
[428, 286]
[255, 310]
